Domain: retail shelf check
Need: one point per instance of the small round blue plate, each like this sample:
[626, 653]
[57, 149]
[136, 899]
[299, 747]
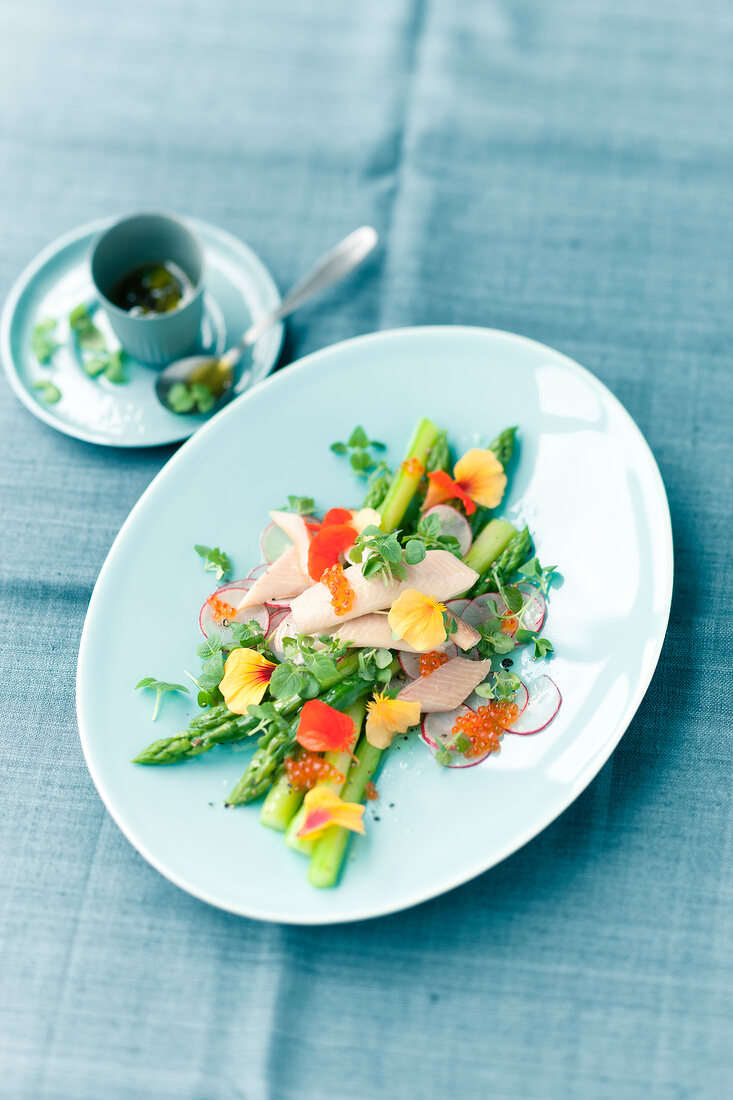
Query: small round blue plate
[239, 290]
[585, 482]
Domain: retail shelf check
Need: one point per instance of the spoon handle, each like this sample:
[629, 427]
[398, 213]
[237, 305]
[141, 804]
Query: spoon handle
[333, 266]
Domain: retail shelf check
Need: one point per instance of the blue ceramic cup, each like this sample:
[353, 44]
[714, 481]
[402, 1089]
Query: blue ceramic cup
[133, 242]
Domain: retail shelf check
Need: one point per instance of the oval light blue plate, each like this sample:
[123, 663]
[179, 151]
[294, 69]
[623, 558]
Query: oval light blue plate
[587, 485]
[239, 289]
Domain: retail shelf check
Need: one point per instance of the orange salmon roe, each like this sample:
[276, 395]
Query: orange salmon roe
[485, 728]
[430, 661]
[220, 610]
[342, 595]
[371, 791]
[413, 467]
[308, 769]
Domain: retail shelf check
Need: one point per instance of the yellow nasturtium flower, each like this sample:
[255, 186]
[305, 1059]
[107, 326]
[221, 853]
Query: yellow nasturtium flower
[418, 620]
[246, 677]
[386, 717]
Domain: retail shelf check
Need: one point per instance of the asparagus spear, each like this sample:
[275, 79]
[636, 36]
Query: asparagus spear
[226, 727]
[439, 457]
[273, 749]
[342, 762]
[493, 540]
[507, 563]
[406, 479]
[503, 445]
[330, 848]
[281, 803]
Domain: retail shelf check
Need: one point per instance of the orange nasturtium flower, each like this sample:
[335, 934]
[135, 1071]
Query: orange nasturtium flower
[327, 546]
[324, 808]
[324, 729]
[246, 676]
[478, 478]
[418, 620]
[386, 717]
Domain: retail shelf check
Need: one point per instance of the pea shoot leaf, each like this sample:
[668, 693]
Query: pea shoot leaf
[216, 561]
[88, 336]
[159, 687]
[209, 647]
[42, 345]
[50, 393]
[539, 575]
[542, 646]
[286, 681]
[303, 506]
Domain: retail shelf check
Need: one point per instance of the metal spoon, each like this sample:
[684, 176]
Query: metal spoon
[228, 375]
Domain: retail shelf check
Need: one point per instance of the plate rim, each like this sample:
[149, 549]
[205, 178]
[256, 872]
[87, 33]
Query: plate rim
[479, 866]
[39, 261]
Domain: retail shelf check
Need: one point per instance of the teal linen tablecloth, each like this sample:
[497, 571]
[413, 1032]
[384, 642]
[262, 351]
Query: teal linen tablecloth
[560, 169]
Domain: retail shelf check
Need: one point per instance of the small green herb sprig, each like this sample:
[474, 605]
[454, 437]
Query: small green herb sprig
[109, 364]
[501, 685]
[493, 639]
[49, 392]
[302, 506]
[539, 575]
[197, 398]
[160, 687]
[307, 665]
[215, 561]
[213, 652]
[85, 332]
[384, 556]
[42, 344]
[101, 362]
[375, 471]
[428, 532]
[357, 448]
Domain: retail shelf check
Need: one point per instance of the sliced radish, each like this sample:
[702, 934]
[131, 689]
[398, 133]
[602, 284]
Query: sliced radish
[457, 606]
[521, 699]
[284, 629]
[410, 662]
[274, 542]
[489, 606]
[534, 613]
[544, 703]
[436, 731]
[231, 594]
[453, 523]
[277, 616]
[256, 573]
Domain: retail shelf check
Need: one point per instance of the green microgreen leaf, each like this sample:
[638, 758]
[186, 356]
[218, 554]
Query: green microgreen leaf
[182, 398]
[114, 371]
[286, 681]
[160, 687]
[88, 336]
[203, 397]
[216, 561]
[303, 506]
[50, 393]
[179, 398]
[42, 345]
[539, 575]
[542, 646]
[358, 437]
[358, 448]
[209, 646]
